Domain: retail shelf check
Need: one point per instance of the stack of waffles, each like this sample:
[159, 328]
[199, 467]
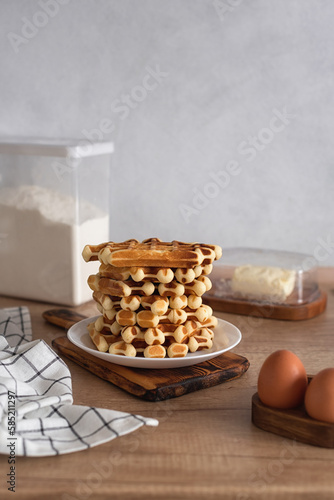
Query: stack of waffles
[149, 295]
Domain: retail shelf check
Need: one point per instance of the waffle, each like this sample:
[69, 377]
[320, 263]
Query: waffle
[105, 326]
[199, 342]
[187, 275]
[154, 274]
[211, 322]
[155, 351]
[152, 342]
[176, 350]
[131, 334]
[116, 324]
[112, 326]
[91, 252]
[149, 295]
[119, 288]
[98, 340]
[198, 287]
[174, 289]
[102, 340]
[191, 301]
[107, 302]
[126, 318]
[146, 318]
[155, 336]
[156, 303]
[152, 253]
[127, 288]
[122, 349]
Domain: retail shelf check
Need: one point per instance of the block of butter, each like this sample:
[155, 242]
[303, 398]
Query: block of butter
[266, 282]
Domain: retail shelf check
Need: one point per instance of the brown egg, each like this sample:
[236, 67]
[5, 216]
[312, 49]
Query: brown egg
[319, 397]
[282, 380]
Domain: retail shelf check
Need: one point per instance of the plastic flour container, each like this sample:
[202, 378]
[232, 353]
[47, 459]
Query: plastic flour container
[54, 199]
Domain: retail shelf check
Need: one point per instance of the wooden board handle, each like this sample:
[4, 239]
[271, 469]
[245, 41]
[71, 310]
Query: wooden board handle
[63, 317]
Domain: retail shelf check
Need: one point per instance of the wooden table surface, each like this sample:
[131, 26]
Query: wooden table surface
[205, 445]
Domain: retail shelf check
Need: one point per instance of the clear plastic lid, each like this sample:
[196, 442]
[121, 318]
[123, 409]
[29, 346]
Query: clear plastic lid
[265, 276]
[61, 148]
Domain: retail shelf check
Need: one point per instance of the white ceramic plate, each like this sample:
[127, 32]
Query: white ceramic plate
[226, 337]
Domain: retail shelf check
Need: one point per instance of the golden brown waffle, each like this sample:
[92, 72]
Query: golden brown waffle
[126, 288]
[126, 318]
[101, 340]
[187, 275]
[153, 253]
[107, 326]
[176, 350]
[146, 318]
[149, 295]
[178, 334]
[105, 301]
[198, 287]
[130, 303]
[133, 340]
[109, 314]
[132, 334]
[211, 322]
[123, 349]
[98, 340]
[199, 342]
[157, 304]
[172, 289]
[102, 325]
[155, 351]
[191, 301]
[154, 274]
[91, 252]
[119, 288]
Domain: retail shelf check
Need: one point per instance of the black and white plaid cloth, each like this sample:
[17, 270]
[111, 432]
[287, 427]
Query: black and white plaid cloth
[35, 381]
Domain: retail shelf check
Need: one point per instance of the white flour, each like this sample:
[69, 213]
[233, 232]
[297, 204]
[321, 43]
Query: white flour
[41, 245]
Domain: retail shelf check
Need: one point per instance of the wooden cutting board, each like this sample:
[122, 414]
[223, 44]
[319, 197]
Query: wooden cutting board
[296, 312]
[148, 384]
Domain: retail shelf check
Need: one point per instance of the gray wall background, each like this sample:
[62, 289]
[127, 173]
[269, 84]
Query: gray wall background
[221, 111]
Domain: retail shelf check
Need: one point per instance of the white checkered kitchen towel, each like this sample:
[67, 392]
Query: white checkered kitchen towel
[37, 417]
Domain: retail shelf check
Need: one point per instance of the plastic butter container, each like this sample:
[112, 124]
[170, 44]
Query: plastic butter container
[264, 276]
[54, 199]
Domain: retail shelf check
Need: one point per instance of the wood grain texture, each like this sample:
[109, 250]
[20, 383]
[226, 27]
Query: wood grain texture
[293, 424]
[206, 445]
[157, 385]
[271, 311]
[64, 317]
